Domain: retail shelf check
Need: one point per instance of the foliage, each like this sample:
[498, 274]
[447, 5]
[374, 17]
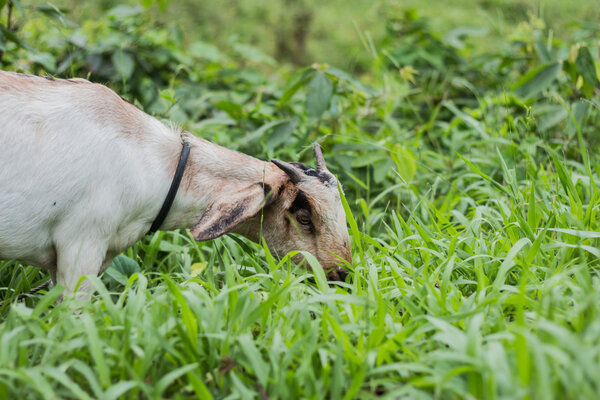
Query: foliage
[471, 180]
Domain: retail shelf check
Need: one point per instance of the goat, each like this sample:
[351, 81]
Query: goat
[83, 174]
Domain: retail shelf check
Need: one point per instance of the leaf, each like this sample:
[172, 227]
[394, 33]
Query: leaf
[197, 268]
[317, 270]
[554, 116]
[234, 110]
[253, 356]
[320, 91]
[586, 67]
[257, 134]
[171, 376]
[581, 110]
[124, 63]
[456, 36]
[578, 233]
[299, 80]
[56, 12]
[509, 262]
[199, 387]
[381, 169]
[564, 177]
[96, 349]
[47, 300]
[46, 60]
[345, 77]
[206, 51]
[368, 159]
[8, 35]
[169, 95]
[123, 11]
[122, 268]
[479, 172]
[117, 390]
[253, 54]
[281, 134]
[405, 163]
[537, 80]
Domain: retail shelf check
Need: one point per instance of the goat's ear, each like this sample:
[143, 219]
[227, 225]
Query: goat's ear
[230, 210]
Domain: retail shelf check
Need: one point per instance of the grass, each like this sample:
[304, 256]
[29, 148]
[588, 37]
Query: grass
[493, 299]
[473, 211]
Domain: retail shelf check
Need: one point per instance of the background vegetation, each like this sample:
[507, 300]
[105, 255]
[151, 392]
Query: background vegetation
[466, 136]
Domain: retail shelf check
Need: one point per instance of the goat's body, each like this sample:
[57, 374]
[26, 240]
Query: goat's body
[75, 174]
[83, 174]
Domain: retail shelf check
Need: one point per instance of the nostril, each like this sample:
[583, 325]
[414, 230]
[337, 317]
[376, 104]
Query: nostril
[337, 274]
[342, 274]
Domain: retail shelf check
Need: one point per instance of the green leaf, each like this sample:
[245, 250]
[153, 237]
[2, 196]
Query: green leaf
[484, 176]
[281, 134]
[317, 270]
[320, 91]
[537, 80]
[257, 134]
[8, 35]
[169, 95]
[122, 268]
[254, 358]
[586, 67]
[234, 110]
[197, 268]
[117, 390]
[47, 300]
[46, 60]
[199, 387]
[298, 80]
[124, 11]
[171, 376]
[206, 51]
[565, 177]
[96, 349]
[55, 12]
[124, 63]
[253, 54]
[405, 163]
[363, 89]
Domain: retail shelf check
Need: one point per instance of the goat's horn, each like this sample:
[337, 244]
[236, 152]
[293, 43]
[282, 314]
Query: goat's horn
[289, 170]
[320, 160]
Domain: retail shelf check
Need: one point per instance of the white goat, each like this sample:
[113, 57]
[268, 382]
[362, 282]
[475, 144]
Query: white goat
[83, 175]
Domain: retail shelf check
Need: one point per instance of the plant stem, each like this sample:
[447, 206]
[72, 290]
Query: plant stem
[9, 17]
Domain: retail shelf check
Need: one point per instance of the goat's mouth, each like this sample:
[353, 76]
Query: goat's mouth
[337, 274]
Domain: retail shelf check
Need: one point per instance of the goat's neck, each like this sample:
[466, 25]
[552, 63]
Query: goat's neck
[211, 171]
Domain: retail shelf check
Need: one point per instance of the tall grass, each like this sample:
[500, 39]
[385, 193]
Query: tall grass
[473, 210]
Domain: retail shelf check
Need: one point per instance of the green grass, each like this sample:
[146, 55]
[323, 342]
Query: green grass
[472, 202]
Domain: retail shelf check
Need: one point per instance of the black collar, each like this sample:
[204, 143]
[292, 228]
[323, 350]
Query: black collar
[164, 210]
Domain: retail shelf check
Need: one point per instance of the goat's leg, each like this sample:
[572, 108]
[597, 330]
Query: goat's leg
[76, 260]
[53, 278]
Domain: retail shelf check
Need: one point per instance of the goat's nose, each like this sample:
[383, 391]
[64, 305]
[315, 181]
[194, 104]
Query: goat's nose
[343, 273]
[337, 274]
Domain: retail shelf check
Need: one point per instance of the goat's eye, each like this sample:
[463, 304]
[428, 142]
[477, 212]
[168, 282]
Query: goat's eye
[303, 219]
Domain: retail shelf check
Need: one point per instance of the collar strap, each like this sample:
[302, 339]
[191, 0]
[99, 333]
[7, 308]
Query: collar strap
[164, 210]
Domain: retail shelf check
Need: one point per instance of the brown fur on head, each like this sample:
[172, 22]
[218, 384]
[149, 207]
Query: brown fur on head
[295, 208]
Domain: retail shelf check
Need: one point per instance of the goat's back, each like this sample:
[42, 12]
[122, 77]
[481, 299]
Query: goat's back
[67, 148]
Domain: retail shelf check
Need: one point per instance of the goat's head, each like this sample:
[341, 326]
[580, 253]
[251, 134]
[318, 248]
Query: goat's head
[295, 207]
